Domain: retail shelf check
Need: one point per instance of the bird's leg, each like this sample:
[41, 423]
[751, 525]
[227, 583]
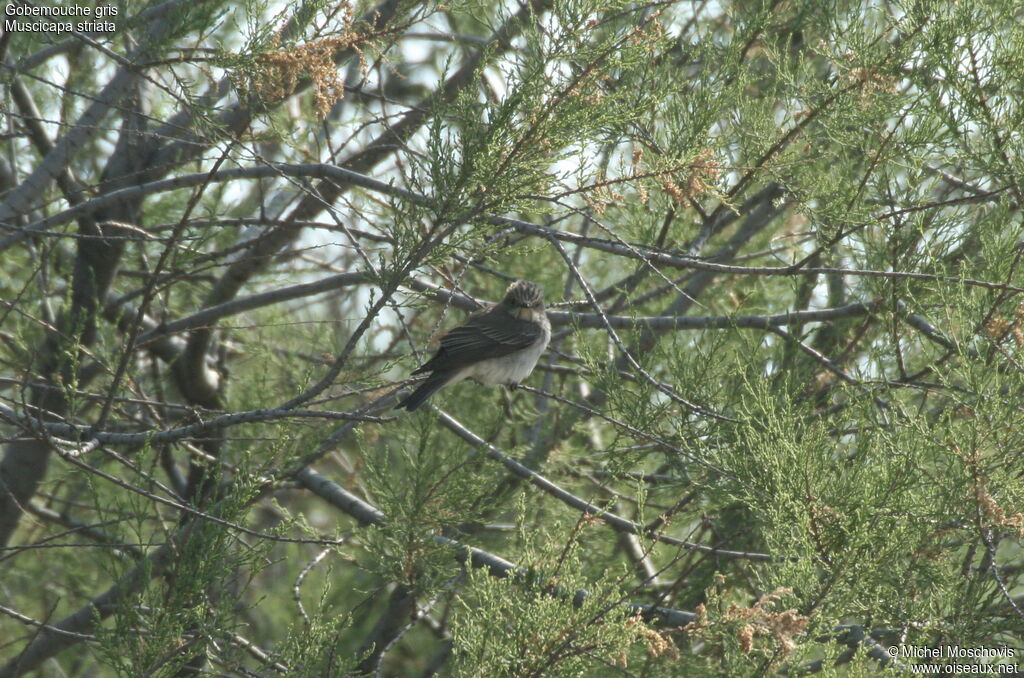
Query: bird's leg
[506, 397]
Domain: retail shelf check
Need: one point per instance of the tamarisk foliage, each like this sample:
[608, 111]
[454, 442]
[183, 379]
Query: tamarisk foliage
[778, 426]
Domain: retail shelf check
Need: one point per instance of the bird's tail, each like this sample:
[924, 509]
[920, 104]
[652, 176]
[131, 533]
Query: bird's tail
[432, 385]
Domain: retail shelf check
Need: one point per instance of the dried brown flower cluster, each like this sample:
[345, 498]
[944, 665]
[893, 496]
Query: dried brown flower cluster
[279, 70]
[658, 643]
[993, 514]
[990, 512]
[703, 172]
[999, 327]
[758, 620]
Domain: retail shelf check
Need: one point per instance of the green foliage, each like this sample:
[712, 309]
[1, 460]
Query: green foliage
[538, 624]
[800, 220]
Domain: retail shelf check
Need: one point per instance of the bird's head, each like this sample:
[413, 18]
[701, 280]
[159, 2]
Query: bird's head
[524, 294]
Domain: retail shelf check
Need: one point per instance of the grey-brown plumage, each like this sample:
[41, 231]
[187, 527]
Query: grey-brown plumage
[500, 345]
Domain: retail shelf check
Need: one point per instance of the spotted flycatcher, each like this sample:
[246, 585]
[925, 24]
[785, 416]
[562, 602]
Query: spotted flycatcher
[500, 345]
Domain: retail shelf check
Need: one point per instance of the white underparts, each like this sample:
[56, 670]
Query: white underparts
[508, 369]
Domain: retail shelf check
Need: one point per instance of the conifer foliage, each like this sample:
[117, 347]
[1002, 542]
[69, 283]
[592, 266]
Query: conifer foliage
[777, 430]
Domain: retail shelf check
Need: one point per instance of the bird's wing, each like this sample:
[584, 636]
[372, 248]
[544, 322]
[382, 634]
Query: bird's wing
[487, 335]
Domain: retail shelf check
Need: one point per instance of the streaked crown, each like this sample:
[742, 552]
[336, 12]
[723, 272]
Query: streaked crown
[524, 294]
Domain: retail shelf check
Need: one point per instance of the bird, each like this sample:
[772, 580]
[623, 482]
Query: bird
[499, 345]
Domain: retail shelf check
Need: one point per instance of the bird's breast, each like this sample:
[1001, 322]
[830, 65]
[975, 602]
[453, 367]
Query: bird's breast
[513, 368]
[525, 314]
